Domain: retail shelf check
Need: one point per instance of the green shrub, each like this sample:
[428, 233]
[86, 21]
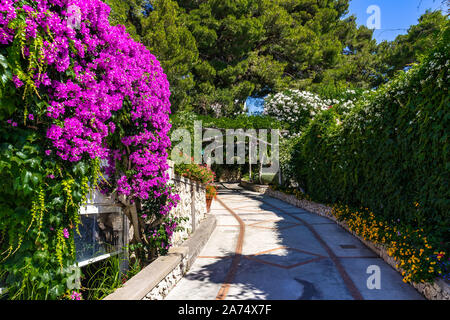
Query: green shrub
[390, 152]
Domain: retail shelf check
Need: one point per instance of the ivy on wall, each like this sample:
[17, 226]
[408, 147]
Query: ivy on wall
[391, 152]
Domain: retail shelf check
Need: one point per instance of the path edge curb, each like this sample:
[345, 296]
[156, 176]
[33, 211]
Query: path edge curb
[156, 280]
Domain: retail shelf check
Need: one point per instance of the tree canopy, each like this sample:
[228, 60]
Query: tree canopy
[406, 49]
[252, 47]
[217, 53]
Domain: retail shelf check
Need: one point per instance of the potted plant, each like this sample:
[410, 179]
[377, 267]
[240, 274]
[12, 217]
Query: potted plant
[211, 193]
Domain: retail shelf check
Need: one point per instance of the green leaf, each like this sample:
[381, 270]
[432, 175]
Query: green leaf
[3, 61]
[27, 190]
[26, 176]
[57, 291]
[21, 155]
[5, 76]
[80, 169]
[8, 105]
[36, 178]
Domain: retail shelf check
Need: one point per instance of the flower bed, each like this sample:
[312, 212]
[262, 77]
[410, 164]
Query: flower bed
[199, 173]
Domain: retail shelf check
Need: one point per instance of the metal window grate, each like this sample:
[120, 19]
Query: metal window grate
[103, 230]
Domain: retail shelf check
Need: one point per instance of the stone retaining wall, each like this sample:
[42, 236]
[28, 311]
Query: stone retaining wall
[156, 280]
[438, 290]
[162, 289]
[254, 187]
[192, 205]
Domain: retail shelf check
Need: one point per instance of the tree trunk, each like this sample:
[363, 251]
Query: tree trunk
[131, 212]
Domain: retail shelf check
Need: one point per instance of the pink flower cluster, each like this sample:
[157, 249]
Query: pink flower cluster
[66, 233]
[75, 295]
[101, 72]
[7, 13]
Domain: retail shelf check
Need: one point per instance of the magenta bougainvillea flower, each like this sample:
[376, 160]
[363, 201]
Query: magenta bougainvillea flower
[110, 73]
[75, 296]
[97, 106]
[66, 233]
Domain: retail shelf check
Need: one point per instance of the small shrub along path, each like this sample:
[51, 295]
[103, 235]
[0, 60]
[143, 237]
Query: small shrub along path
[264, 248]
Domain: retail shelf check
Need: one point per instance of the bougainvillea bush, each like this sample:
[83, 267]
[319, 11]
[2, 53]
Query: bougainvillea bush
[82, 105]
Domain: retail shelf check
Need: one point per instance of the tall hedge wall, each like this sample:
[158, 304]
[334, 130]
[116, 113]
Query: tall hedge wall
[391, 153]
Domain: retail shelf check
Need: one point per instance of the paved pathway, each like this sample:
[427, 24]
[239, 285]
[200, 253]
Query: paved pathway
[266, 249]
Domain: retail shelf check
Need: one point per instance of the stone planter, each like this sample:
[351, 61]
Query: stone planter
[261, 188]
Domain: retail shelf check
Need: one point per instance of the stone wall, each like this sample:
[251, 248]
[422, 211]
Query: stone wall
[162, 289]
[438, 290]
[253, 186]
[192, 206]
[156, 280]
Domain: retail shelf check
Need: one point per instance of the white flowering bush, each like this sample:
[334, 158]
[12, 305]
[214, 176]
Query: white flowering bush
[297, 108]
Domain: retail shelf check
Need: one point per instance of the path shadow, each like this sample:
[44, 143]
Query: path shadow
[290, 254]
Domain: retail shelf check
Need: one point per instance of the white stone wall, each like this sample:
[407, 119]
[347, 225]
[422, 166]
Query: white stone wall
[194, 210]
[162, 289]
[98, 203]
[183, 187]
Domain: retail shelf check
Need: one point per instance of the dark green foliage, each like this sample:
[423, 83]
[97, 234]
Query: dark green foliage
[219, 52]
[102, 278]
[357, 65]
[186, 120]
[252, 47]
[128, 13]
[391, 152]
[163, 30]
[406, 49]
[165, 34]
[29, 241]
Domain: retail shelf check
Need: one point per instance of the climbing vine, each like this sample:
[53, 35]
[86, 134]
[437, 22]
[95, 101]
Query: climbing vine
[389, 154]
[82, 107]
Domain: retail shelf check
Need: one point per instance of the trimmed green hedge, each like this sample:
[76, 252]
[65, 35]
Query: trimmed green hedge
[391, 153]
[185, 120]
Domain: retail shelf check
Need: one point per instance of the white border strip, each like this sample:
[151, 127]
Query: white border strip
[96, 259]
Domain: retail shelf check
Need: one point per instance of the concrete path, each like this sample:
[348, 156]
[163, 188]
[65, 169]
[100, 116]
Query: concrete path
[266, 249]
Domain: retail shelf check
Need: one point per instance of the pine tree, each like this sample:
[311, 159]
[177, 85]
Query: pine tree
[165, 34]
[253, 47]
[406, 49]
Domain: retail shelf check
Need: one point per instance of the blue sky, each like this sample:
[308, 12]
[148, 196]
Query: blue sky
[396, 15]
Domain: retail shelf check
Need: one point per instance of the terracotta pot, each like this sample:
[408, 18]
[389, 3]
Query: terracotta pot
[208, 203]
